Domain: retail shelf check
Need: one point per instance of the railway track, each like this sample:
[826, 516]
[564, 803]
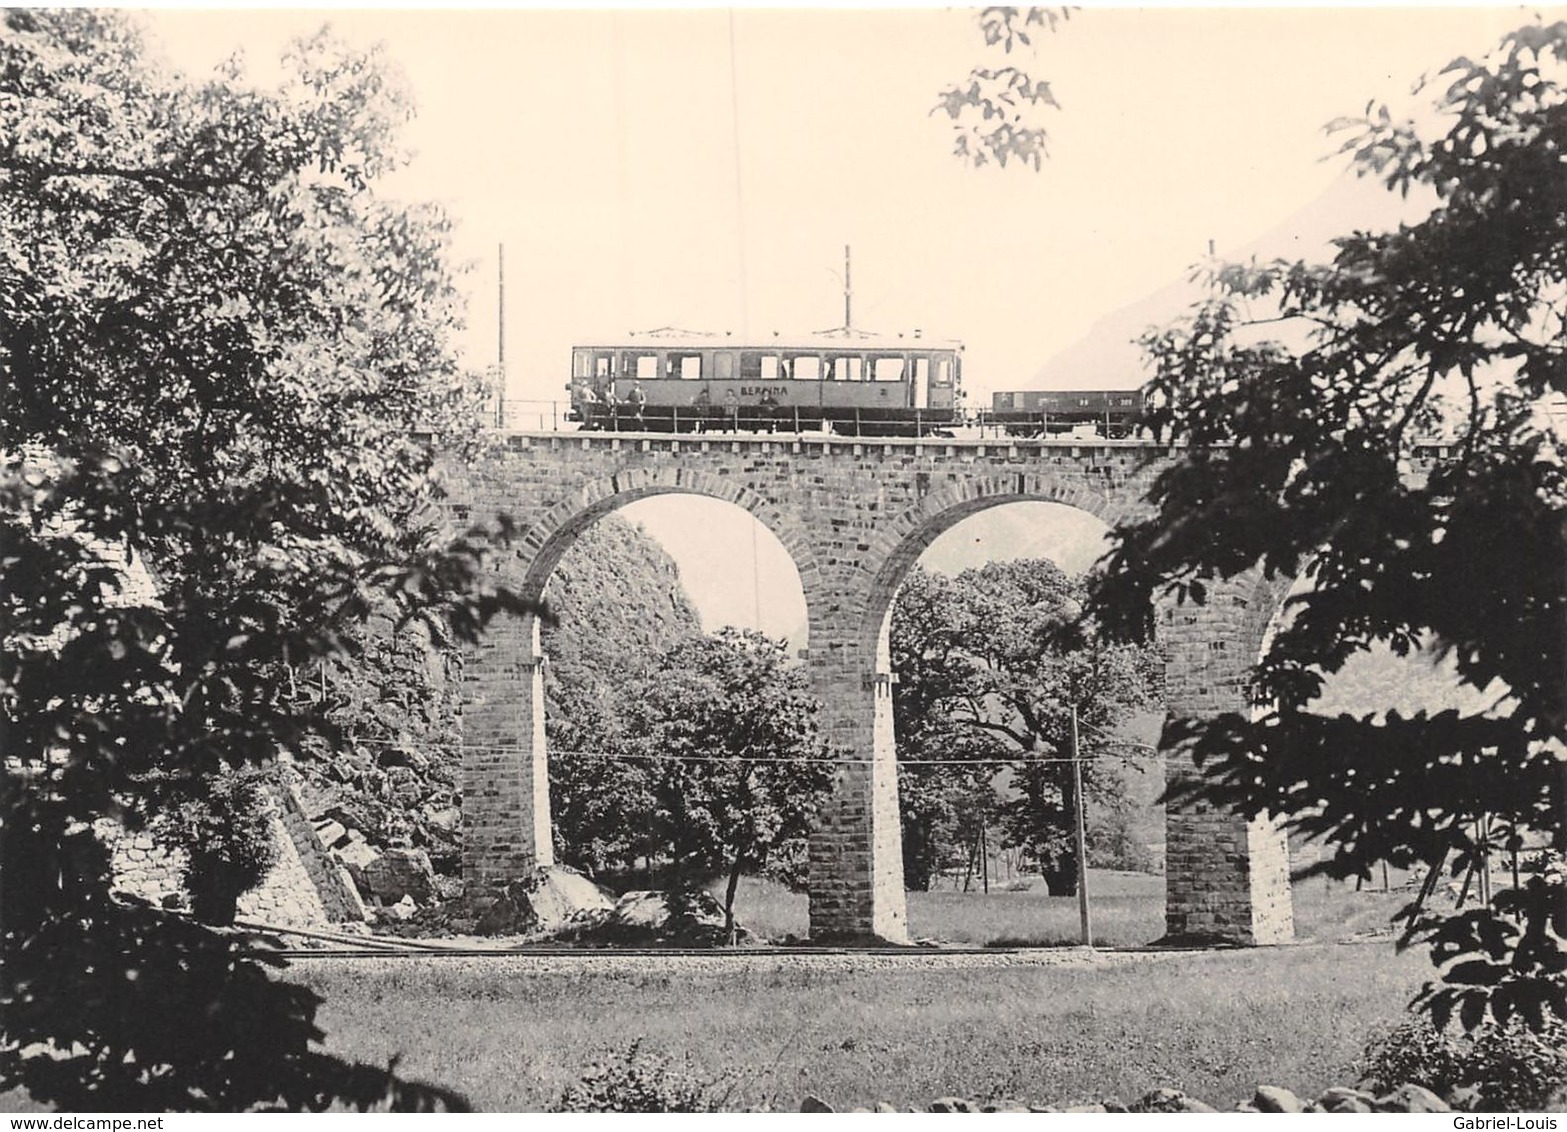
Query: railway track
[729, 953]
[331, 946]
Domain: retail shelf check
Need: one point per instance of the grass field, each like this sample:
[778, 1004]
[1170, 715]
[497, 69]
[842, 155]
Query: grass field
[1214, 1023]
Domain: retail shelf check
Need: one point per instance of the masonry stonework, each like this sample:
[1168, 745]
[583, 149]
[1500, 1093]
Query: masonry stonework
[854, 514]
[306, 888]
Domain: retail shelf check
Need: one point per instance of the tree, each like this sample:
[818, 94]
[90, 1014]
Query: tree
[990, 664]
[736, 764]
[227, 377]
[995, 110]
[1303, 391]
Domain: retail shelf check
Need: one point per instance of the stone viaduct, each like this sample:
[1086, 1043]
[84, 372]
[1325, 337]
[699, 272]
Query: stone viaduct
[854, 514]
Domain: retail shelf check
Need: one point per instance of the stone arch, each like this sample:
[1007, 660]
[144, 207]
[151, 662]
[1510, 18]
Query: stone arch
[506, 804]
[898, 546]
[553, 532]
[857, 854]
[1226, 877]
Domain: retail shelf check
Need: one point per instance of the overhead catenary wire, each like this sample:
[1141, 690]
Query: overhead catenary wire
[734, 117]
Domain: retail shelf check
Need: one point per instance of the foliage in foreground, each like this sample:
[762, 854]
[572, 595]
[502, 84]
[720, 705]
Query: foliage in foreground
[227, 371]
[997, 112]
[1511, 1068]
[1302, 390]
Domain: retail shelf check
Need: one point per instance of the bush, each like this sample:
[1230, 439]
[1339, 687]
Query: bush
[1511, 1068]
[227, 837]
[636, 1082]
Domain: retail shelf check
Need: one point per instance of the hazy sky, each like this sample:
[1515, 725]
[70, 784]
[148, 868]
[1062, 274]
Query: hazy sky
[705, 168]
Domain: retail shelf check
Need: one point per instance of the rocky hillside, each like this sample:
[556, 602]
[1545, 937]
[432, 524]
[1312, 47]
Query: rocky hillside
[619, 605]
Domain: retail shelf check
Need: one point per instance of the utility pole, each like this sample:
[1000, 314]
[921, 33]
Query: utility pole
[848, 321]
[1082, 838]
[500, 344]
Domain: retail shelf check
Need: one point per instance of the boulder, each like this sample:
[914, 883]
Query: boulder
[1342, 1099]
[560, 893]
[1464, 1098]
[883, 1106]
[656, 919]
[950, 1104]
[404, 909]
[398, 873]
[1412, 1098]
[552, 897]
[1169, 1100]
[1086, 1108]
[815, 1104]
[355, 853]
[1271, 1098]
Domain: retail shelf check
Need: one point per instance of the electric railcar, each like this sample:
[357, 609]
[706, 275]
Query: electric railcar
[850, 383]
[1112, 412]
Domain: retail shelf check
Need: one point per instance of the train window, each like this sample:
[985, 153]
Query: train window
[638, 365]
[683, 367]
[921, 371]
[582, 363]
[1085, 401]
[604, 366]
[845, 367]
[724, 366]
[886, 369]
[756, 366]
[804, 367]
[943, 372]
[1124, 401]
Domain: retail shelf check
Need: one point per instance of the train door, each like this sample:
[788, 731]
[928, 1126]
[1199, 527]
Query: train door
[601, 371]
[921, 383]
[942, 376]
[723, 366]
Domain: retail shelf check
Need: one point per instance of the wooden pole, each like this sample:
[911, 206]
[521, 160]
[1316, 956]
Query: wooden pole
[1427, 887]
[1082, 839]
[500, 337]
[1484, 823]
[848, 292]
[984, 854]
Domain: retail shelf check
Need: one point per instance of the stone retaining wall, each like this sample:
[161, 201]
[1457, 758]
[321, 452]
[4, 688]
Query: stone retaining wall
[305, 889]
